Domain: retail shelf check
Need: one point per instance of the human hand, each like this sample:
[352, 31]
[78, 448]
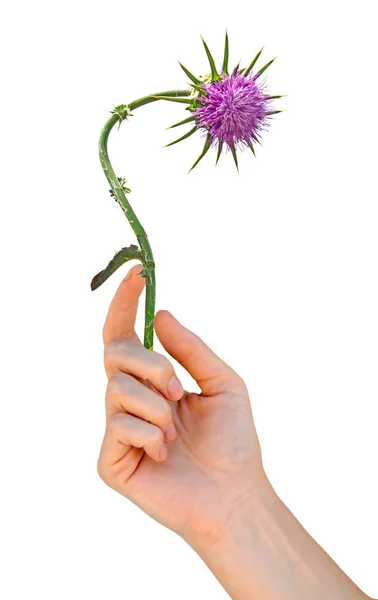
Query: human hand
[185, 458]
[193, 462]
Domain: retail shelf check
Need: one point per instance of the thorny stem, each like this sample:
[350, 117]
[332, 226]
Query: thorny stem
[146, 251]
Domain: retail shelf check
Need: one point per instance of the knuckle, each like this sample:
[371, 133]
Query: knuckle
[156, 437]
[110, 350]
[165, 412]
[118, 384]
[114, 385]
[162, 366]
[117, 424]
[115, 348]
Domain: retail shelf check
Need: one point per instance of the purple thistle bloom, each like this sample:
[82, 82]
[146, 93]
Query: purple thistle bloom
[234, 110]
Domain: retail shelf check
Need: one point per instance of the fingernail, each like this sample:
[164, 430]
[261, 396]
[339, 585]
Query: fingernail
[175, 389]
[163, 453]
[170, 432]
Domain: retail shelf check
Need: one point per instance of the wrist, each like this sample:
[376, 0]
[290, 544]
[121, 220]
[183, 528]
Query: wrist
[233, 548]
[230, 517]
[262, 551]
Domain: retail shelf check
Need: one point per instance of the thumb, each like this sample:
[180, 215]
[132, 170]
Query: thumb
[211, 373]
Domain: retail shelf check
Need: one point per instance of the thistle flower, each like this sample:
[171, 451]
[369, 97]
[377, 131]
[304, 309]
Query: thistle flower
[231, 110]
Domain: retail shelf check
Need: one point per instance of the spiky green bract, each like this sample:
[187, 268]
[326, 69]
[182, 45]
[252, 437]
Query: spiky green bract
[252, 148]
[199, 88]
[186, 135]
[189, 74]
[188, 120]
[214, 72]
[220, 146]
[236, 70]
[205, 149]
[233, 152]
[249, 69]
[225, 56]
[265, 67]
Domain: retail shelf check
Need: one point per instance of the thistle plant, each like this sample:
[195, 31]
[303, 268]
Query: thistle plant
[231, 110]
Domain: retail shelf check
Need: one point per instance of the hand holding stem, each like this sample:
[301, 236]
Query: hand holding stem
[193, 462]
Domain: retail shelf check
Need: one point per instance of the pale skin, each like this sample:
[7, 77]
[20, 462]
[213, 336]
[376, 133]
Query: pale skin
[193, 462]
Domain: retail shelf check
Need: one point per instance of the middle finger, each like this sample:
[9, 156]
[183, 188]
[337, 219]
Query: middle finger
[125, 393]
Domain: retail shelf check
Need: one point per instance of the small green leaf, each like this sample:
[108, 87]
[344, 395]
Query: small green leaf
[220, 146]
[214, 72]
[205, 149]
[189, 74]
[265, 67]
[183, 137]
[249, 69]
[172, 99]
[274, 112]
[225, 57]
[233, 151]
[188, 120]
[130, 253]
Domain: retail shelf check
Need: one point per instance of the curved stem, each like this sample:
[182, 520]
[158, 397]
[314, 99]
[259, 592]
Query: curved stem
[119, 193]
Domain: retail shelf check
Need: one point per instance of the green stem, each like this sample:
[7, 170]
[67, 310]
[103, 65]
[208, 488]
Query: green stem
[147, 256]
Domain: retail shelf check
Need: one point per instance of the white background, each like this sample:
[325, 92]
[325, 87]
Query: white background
[275, 268]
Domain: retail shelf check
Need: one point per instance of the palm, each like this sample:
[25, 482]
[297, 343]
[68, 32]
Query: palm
[215, 448]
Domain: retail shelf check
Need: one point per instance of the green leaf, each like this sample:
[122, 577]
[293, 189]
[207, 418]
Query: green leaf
[252, 148]
[253, 63]
[172, 99]
[214, 72]
[205, 149]
[274, 112]
[183, 137]
[220, 146]
[225, 57]
[233, 151]
[265, 67]
[189, 74]
[130, 253]
[188, 120]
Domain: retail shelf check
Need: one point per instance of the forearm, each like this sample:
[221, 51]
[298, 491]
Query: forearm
[263, 553]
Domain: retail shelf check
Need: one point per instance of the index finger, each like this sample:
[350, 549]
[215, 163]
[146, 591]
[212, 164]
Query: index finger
[120, 320]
